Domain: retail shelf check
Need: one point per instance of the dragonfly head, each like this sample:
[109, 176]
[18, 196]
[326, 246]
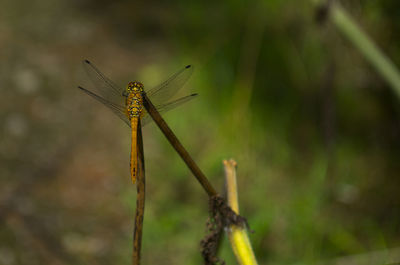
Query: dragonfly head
[134, 87]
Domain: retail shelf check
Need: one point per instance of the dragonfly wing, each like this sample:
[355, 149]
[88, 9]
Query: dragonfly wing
[167, 107]
[145, 119]
[164, 91]
[118, 110]
[103, 86]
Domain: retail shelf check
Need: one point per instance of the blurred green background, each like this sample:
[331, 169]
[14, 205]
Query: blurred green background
[314, 128]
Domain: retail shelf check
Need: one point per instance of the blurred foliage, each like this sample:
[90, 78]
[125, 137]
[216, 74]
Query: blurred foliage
[314, 128]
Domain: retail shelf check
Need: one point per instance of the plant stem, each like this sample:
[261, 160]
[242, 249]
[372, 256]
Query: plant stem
[237, 234]
[385, 67]
[140, 200]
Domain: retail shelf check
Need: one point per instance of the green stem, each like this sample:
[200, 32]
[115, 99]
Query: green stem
[366, 46]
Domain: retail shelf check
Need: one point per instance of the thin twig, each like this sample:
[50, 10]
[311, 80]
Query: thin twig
[140, 201]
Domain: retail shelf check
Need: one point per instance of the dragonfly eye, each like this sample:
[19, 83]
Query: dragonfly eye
[139, 85]
[135, 87]
[130, 86]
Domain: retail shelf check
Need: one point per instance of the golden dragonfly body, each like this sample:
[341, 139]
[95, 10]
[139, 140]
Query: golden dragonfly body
[134, 110]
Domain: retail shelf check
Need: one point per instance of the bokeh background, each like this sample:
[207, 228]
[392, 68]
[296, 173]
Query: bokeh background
[314, 128]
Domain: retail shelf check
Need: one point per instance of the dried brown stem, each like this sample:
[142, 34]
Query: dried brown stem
[140, 201]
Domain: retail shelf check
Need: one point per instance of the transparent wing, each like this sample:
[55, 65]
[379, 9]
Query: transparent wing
[111, 95]
[118, 110]
[163, 92]
[166, 107]
[103, 86]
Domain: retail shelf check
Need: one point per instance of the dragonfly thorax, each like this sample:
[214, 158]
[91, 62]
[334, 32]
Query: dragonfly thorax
[134, 99]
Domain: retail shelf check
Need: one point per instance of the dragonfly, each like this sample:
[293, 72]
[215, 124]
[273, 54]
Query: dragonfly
[127, 103]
